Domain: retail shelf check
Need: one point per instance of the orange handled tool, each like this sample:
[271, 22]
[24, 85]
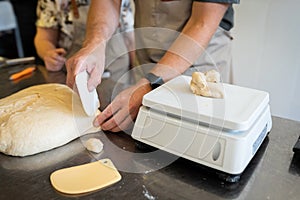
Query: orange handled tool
[22, 73]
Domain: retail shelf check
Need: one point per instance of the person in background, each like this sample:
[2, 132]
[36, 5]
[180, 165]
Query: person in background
[201, 24]
[61, 30]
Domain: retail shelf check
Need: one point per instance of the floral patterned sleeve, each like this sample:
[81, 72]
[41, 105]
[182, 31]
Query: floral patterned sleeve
[47, 14]
[126, 16]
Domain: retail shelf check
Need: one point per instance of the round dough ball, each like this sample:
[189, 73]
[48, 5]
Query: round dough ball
[94, 145]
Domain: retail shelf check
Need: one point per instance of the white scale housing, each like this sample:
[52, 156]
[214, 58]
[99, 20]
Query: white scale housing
[223, 134]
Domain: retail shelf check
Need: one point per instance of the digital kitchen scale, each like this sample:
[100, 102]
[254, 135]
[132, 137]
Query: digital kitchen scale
[223, 134]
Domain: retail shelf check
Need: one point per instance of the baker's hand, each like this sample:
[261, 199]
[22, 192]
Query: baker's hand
[54, 59]
[119, 115]
[91, 59]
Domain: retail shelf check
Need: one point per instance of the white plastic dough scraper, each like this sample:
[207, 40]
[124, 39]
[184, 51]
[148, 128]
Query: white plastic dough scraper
[89, 100]
[223, 134]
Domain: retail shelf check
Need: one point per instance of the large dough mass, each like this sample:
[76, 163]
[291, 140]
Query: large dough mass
[41, 118]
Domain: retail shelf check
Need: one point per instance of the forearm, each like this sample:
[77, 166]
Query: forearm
[45, 40]
[194, 38]
[42, 47]
[103, 19]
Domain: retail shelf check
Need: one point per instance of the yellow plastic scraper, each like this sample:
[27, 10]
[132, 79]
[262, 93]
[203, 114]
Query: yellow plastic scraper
[85, 178]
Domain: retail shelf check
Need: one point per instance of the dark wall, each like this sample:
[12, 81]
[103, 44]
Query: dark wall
[25, 11]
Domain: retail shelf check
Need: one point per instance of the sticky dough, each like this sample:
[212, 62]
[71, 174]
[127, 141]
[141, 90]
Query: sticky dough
[94, 145]
[207, 84]
[41, 118]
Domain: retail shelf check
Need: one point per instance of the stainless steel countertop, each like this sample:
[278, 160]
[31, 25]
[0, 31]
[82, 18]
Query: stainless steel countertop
[272, 174]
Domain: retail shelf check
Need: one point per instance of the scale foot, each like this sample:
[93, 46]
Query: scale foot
[230, 178]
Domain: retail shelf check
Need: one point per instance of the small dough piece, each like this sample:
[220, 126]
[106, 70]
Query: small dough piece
[94, 145]
[40, 118]
[213, 76]
[216, 90]
[200, 86]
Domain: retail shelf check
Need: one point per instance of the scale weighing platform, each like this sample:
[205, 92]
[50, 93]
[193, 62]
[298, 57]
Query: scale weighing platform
[223, 134]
